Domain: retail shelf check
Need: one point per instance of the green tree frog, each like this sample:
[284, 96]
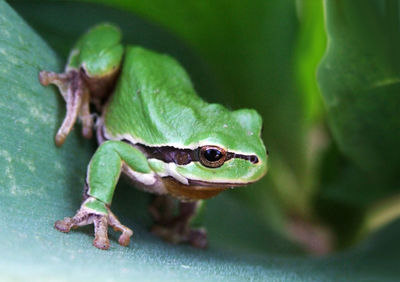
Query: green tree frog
[153, 127]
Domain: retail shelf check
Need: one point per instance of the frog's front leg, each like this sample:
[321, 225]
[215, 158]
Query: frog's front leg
[182, 227]
[102, 176]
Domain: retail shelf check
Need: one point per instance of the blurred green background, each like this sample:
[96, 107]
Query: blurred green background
[324, 75]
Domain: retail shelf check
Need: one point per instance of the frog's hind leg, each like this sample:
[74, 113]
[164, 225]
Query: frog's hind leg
[76, 95]
[90, 76]
[163, 209]
[180, 228]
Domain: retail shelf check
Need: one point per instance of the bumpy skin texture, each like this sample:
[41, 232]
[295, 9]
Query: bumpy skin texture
[153, 110]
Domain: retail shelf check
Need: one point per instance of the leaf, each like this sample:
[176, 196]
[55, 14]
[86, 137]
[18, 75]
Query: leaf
[310, 48]
[30, 114]
[359, 79]
[42, 183]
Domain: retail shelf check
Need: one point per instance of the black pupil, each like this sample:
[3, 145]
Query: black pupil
[212, 155]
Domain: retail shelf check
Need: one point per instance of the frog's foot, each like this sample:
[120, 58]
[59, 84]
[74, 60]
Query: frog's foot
[176, 234]
[162, 209]
[177, 228]
[86, 216]
[77, 98]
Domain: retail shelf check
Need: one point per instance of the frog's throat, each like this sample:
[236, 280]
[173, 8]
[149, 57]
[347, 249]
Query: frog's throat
[192, 192]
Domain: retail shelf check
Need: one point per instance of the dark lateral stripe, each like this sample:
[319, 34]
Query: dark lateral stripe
[171, 154]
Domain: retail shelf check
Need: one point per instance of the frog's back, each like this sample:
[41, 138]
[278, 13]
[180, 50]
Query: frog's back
[155, 104]
[153, 97]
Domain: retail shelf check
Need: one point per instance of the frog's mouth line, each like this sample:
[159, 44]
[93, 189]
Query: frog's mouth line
[223, 185]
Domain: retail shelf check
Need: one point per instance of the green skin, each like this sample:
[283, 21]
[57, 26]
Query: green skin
[153, 105]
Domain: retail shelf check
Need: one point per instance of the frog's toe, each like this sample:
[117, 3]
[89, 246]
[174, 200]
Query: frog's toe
[167, 233]
[198, 238]
[44, 78]
[101, 243]
[87, 128]
[48, 77]
[176, 234]
[64, 225]
[101, 232]
[60, 138]
[124, 239]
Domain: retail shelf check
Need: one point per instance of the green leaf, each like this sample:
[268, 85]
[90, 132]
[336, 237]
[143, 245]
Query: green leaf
[42, 183]
[34, 170]
[310, 48]
[359, 78]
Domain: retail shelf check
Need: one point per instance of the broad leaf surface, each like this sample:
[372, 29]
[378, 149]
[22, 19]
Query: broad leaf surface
[42, 183]
[359, 78]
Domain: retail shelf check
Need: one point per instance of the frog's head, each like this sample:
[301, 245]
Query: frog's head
[228, 151]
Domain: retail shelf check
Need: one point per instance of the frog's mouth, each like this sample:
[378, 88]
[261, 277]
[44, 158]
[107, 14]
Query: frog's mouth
[223, 185]
[195, 189]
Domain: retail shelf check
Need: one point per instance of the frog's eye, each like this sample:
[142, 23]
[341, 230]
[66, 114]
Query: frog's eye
[212, 156]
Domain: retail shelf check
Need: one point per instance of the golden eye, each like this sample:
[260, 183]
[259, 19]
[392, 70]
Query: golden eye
[212, 156]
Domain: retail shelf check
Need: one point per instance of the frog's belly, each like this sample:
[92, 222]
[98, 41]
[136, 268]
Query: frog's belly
[170, 186]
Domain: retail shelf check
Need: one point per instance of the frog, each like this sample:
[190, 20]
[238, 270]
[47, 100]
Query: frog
[152, 126]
